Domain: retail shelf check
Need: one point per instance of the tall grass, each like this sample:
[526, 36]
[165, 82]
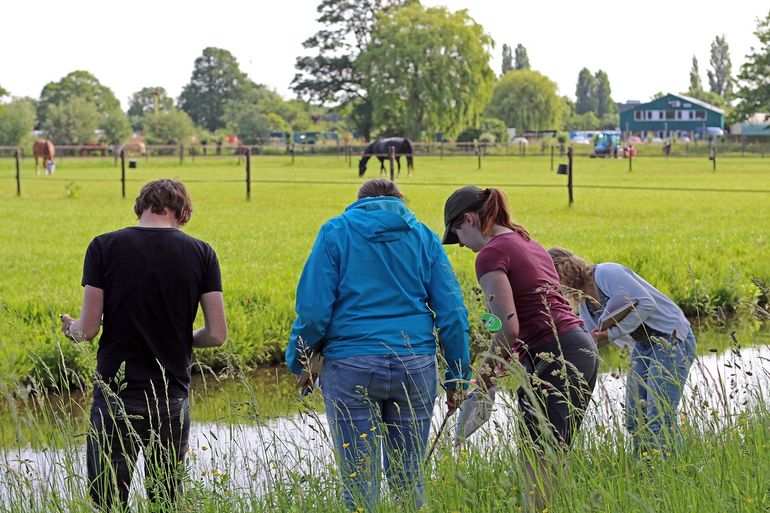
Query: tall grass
[243, 462]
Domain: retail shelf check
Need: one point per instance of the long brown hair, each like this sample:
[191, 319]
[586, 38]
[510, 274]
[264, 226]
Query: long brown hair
[494, 211]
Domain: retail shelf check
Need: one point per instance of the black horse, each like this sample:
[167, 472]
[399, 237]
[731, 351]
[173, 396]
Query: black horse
[381, 149]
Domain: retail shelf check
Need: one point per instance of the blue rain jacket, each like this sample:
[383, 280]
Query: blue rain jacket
[378, 281]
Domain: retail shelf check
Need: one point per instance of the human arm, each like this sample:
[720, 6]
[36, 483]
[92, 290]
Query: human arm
[85, 327]
[214, 331]
[315, 298]
[616, 280]
[499, 300]
[451, 318]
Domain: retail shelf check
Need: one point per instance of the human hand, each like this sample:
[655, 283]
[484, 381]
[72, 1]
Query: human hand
[454, 399]
[66, 321]
[600, 337]
[69, 328]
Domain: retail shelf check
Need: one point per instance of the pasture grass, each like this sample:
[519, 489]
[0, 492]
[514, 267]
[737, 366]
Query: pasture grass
[707, 250]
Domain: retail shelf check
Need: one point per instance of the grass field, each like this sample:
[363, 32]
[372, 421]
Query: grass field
[708, 250]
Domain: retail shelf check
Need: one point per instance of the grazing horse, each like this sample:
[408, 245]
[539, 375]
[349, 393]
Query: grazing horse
[381, 149]
[43, 148]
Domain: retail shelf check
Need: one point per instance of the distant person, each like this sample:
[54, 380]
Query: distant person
[521, 287]
[147, 281]
[663, 344]
[374, 292]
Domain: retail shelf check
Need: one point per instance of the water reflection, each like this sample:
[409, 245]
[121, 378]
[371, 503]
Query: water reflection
[249, 456]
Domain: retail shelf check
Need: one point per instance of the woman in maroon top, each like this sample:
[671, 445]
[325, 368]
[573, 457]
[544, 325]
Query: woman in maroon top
[521, 287]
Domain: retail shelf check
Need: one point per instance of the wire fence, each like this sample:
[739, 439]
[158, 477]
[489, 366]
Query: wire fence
[244, 154]
[536, 148]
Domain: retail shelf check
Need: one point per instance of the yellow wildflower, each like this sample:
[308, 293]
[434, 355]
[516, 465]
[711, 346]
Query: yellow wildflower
[353, 474]
[345, 445]
[363, 435]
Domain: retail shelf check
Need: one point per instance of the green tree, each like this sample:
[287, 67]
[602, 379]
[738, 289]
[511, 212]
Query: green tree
[116, 127]
[143, 102]
[216, 79]
[507, 59]
[605, 107]
[78, 84]
[168, 127]
[720, 79]
[72, 121]
[426, 70]
[754, 78]
[277, 123]
[330, 76]
[522, 59]
[526, 100]
[17, 119]
[487, 126]
[249, 123]
[3, 92]
[695, 81]
[585, 93]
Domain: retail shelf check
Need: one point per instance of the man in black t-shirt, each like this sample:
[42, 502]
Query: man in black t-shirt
[146, 281]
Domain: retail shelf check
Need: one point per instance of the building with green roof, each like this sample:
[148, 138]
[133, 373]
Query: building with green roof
[672, 115]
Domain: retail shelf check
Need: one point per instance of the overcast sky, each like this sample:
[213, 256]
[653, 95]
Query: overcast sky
[644, 46]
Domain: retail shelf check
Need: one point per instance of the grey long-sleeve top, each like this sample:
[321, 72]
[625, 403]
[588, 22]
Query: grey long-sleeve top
[653, 308]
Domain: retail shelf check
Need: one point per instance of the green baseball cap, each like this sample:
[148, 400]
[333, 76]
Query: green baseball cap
[459, 202]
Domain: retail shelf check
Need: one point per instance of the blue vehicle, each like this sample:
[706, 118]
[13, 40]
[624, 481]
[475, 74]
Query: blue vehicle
[607, 144]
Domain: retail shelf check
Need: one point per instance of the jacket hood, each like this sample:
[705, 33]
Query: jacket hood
[380, 218]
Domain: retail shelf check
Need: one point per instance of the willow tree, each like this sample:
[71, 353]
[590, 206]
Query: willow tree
[426, 71]
[526, 100]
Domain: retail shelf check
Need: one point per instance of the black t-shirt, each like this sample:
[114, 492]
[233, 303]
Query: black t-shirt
[152, 279]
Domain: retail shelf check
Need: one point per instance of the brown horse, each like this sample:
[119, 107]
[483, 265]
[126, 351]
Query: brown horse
[43, 148]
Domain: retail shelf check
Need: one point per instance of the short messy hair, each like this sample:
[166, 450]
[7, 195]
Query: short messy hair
[379, 187]
[165, 193]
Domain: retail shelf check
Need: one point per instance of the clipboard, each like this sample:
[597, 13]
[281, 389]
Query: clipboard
[618, 307]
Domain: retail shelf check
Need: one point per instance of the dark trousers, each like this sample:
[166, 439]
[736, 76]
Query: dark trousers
[563, 375]
[119, 430]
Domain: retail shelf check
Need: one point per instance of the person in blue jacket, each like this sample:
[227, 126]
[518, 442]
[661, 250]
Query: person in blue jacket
[663, 346]
[374, 292]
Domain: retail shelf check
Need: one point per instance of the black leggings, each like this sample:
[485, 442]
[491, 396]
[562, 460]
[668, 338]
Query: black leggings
[553, 407]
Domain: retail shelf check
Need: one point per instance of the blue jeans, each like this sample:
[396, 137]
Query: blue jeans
[659, 370]
[380, 405]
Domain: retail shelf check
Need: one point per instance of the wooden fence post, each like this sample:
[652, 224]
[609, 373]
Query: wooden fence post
[570, 153]
[181, 153]
[18, 172]
[248, 174]
[123, 173]
[392, 156]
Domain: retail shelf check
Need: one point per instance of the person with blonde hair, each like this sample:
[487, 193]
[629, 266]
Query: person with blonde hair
[663, 342]
[521, 288]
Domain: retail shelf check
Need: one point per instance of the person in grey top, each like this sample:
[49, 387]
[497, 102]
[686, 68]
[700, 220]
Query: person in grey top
[661, 340]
